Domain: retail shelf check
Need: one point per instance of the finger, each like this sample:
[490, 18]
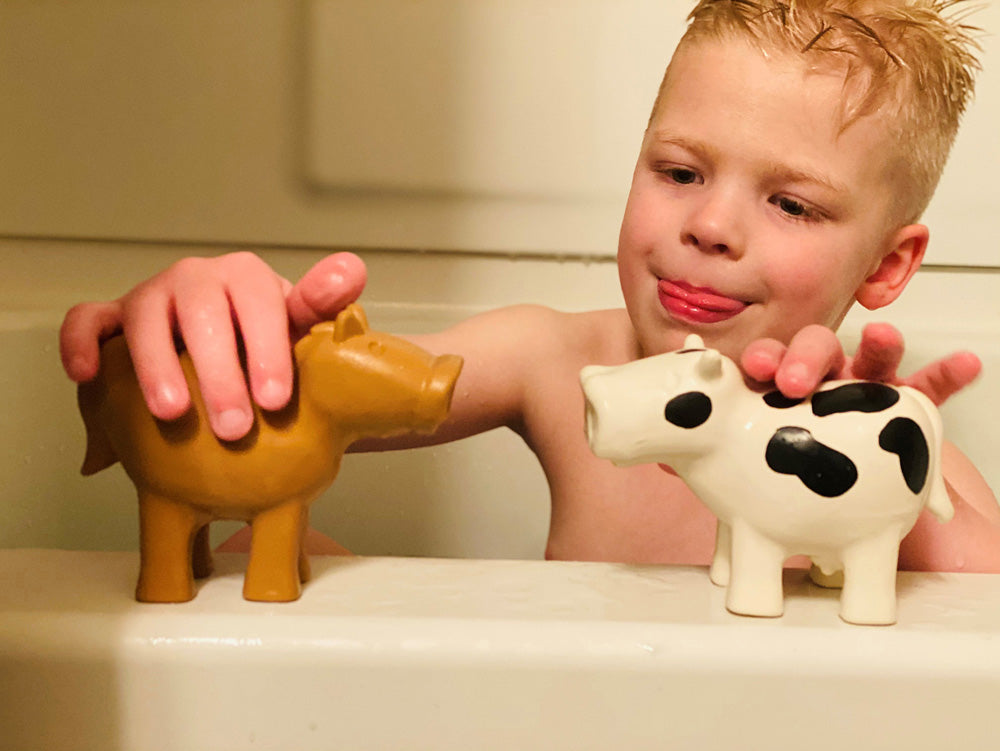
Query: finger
[325, 290]
[940, 380]
[205, 320]
[879, 353]
[83, 329]
[813, 354]
[761, 358]
[258, 303]
[147, 322]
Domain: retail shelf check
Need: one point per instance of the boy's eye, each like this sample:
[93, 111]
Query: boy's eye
[679, 175]
[682, 175]
[793, 208]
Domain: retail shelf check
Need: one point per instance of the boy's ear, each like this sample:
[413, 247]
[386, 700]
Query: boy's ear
[899, 263]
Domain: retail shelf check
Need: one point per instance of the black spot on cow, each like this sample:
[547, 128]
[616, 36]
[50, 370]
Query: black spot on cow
[688, 410]
[903, 437]
[779, 401]
[794, 451]
[864, 396]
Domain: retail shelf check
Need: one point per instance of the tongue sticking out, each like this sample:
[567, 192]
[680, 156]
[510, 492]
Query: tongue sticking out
[698, 304]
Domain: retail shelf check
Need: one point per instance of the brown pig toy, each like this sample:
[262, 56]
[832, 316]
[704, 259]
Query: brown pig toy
[351, 382]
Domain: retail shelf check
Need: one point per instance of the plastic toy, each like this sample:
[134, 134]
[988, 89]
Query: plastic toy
[840, 477]
[351, 382]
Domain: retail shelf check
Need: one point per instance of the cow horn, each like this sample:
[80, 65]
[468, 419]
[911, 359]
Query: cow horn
[693, 341]
[710, 364]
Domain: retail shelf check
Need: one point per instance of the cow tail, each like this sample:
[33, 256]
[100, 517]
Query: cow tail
[100, 454]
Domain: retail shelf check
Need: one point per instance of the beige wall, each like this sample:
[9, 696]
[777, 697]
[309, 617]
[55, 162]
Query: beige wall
[499, 125]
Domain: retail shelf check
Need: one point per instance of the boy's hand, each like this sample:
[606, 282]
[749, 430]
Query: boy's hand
[815, 354]
[205, 300]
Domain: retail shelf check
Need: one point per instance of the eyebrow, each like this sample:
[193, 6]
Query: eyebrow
[787, 173]
[777, 172]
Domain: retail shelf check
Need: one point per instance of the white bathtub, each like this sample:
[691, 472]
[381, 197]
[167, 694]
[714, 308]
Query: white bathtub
[399, 653]
[127, 145]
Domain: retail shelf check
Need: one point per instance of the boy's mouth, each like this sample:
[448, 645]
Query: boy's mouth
[697, 304]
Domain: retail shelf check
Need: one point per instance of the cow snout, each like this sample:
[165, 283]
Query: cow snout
[595, 393]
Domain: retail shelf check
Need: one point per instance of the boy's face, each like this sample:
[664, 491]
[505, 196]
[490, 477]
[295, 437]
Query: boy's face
[750, 214]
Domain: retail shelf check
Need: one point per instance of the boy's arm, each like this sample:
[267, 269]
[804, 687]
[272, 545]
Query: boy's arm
[505, 353]
[205, 301]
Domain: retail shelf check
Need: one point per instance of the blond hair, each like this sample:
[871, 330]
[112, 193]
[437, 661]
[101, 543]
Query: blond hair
[910, 62]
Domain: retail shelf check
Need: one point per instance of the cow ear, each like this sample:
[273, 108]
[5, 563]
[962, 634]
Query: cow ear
[351, 322]
[710, 364]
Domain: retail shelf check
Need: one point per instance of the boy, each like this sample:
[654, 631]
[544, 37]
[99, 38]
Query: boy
[790, 151]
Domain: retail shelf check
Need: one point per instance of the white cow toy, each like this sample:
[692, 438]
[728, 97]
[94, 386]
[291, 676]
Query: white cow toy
[840, 477]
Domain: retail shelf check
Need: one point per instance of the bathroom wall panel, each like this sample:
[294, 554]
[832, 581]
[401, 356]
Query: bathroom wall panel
[473, 126]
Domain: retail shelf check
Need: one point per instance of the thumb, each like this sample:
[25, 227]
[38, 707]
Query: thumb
[325, 290]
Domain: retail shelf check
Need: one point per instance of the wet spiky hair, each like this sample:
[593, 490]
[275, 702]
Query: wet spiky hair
[911, 62]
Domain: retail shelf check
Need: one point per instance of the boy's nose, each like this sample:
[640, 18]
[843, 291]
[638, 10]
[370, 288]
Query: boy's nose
[712, 226]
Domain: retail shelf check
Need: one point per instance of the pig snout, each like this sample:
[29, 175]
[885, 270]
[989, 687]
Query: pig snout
[437, 392]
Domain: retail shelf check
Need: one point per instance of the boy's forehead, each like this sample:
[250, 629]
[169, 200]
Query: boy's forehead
[723, 97]
[781, 61]
[824, 86]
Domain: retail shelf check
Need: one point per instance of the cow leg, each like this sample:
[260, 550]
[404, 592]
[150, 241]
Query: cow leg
[755, 581]
[869, 595]
[201, 555]
[166, 536]
[275, 546]
[722, 558]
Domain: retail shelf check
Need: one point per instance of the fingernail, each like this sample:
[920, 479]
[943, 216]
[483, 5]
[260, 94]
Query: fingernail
[797, 373]
[233, 423]
[79, 366]
[272, 394]
[795, 380]
[168, 399]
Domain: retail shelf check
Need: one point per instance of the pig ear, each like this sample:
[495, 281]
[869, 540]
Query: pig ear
[693, 341]
[351, 322]
[710, 364]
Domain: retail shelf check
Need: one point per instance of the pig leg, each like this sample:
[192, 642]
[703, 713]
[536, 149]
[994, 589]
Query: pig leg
[305, 570]
[721, 559]
[201, 555]
[755, 580]
[869, 595]
[275, 546]
[166, 536]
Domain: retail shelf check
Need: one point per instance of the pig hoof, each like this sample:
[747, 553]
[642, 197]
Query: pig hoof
[145, 593]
